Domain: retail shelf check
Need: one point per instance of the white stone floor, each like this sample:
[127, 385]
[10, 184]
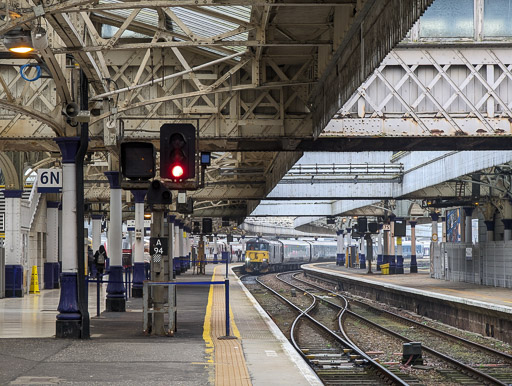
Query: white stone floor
[33, 316]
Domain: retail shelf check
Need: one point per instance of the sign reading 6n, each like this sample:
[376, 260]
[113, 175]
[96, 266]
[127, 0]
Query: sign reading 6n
[158, 246]
[49, 180]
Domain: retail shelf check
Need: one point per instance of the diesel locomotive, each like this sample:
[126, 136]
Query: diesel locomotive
[275, 255]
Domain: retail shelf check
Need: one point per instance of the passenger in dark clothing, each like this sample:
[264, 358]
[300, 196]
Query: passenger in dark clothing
[99, 259]
[90, 260]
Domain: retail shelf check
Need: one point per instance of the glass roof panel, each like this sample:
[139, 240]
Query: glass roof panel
[203, 24]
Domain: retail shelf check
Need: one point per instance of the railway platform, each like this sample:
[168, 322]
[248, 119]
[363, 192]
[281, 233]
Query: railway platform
[481, 309]
[118, 352]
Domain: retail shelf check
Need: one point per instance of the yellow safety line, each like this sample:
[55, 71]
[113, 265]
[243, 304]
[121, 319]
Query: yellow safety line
[230, 367]
[233, 324]
[207, 336]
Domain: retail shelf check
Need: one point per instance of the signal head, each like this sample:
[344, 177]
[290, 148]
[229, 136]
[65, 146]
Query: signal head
[177, 171]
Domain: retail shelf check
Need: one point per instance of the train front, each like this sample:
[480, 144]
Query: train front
[257, 256]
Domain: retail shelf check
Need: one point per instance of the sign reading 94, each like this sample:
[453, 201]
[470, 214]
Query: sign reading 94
[158, 246]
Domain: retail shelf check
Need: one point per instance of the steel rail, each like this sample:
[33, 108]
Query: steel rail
[465, 368]
[491, 350]
[381, 370]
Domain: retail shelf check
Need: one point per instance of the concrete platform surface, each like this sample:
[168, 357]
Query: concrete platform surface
[495, 298]
[119, 353]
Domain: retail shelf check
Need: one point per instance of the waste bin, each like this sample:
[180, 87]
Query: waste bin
[384, 269]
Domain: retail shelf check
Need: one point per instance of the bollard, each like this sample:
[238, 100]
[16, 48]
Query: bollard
[98, 295]
[227, 265]
[226, 286]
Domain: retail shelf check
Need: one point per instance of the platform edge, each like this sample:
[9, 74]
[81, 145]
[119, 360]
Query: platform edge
[301, 364]
[396, 287]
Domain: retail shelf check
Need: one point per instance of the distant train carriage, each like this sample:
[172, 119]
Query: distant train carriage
[323, 251]
[263, 255]
[406, 249]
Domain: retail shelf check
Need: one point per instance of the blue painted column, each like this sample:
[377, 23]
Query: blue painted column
[139, 274]
[362, 255]
[468, 232]
[69, 318]
[385, 250]
[176, 259]
[338, 247]
[434, 241]
[414, 262]
[243, 247]
[51, 266]
[181, 244]
[379, 247]
[489, 225]
[116, 301]
[186, 247]
[348, 257]
[343, 247]
[13, 244]
[96, 240]
[507, 234]
[399, 253]
[96, 231]
[399, 257]
[172, 235]
[392, 257]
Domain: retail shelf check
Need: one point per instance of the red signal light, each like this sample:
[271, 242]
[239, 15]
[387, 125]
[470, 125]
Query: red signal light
[177, 171]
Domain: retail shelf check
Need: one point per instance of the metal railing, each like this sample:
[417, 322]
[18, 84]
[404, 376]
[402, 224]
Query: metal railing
[171, 307]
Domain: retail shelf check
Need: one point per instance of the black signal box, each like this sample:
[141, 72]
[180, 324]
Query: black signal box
[158, 194]
[400, 228]
[373, 227]
[138, 160]
[362, 225]
[177, 151]
[207, 226]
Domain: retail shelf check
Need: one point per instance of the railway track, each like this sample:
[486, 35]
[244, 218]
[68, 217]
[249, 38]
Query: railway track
[378, 318]
[336, 359]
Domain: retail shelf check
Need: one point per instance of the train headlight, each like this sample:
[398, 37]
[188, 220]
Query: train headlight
[264, 260]
[247, 259]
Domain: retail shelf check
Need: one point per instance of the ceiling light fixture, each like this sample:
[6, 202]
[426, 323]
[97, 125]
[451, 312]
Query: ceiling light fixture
[18, 41]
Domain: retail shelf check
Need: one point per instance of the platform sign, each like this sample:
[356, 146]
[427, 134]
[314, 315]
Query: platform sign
[130, 225]
[469, 253]
[49, 180]
[147, 224]
[386, 227]
[157, 248]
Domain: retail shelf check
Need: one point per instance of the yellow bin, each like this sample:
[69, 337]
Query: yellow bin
[385, 269]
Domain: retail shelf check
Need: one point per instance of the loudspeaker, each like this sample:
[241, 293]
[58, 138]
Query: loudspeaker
[71, 110]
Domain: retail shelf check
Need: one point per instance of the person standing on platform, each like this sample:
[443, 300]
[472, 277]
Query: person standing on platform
[99, 259]
[90, 260]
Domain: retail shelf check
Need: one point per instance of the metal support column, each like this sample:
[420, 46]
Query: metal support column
[51, 266]
[369, 252]
[414, 262]
[138, 253]
[116, 301]
[13, 244]
[69, 319]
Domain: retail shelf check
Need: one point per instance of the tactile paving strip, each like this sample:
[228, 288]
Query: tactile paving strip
[230, 366]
